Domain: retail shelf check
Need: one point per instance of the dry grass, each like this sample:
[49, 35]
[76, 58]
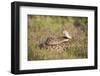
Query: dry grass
[41, 27]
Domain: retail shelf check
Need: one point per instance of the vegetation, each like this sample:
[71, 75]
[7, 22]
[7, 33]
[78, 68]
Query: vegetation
[41, 27]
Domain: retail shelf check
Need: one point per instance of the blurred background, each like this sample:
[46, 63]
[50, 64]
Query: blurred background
[41, 27]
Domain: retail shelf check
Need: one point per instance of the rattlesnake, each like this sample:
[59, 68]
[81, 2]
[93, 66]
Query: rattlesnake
[56, 43]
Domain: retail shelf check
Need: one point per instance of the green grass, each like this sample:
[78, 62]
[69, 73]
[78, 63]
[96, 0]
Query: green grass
[41, 27]
[73, 53]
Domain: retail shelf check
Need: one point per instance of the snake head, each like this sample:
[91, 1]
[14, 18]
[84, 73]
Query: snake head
[66, 34]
